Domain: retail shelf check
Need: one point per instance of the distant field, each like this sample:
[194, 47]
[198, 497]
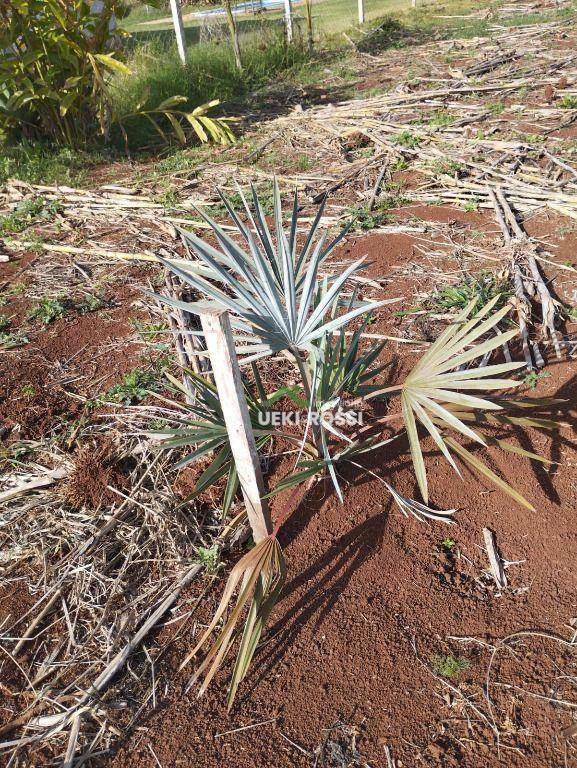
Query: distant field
[331, 16]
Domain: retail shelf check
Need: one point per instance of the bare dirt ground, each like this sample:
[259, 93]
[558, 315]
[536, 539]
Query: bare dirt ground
[350, 670]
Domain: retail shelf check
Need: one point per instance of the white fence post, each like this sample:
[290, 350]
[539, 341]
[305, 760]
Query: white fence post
[288, 19]
[226, 372]
[361, 11]
[178, 29]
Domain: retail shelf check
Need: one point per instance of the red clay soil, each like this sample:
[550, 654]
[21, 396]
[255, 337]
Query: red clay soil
[373, 599]
[31, 401]
[347, 665]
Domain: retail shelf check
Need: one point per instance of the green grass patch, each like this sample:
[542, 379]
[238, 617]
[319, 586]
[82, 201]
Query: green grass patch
[449, 666]
[210, 73]
[43, 164]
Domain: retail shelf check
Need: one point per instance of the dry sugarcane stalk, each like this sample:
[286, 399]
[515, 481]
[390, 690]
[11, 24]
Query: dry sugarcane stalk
[40, 482]
[489, 64]
[548, 303]
[26, 636]
[179, 324]
[377, 187]
[522, 304]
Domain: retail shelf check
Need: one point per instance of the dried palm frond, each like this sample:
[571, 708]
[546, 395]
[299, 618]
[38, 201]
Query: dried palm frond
[259, 577]
[434, 387]
[421, 511]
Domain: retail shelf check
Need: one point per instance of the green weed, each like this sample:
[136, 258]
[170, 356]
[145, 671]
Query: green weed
[208, 557]
[449, 666]
[532, 378]
[568, 102]
[47, 310]
[408, 139]
[365, 220]
[496, 108]
[442, 118]
[134, 387]
[483, 287]
[90, 303]
[26, 213]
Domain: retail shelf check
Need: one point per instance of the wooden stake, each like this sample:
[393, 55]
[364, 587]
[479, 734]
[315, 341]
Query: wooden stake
[178, 29]
[361, 11]
[288, 20]
[232, 28]
[226, 372]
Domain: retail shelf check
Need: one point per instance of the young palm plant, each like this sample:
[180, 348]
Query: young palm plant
[284, 297]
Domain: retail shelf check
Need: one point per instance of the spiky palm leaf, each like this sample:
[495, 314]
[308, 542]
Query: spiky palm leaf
[204, 430]
[434, 389]
[344, 368]
[271, 286]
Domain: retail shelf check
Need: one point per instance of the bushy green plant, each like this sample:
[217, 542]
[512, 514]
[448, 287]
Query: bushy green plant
[55, 73]
[54, 68]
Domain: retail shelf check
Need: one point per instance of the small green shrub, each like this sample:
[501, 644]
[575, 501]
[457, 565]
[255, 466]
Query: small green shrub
[56, 72]
[54, 68]
[449, 666]
[47, 310]
[133, 388]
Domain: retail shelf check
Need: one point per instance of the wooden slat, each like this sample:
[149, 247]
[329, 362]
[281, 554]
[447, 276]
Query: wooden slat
[226, 372]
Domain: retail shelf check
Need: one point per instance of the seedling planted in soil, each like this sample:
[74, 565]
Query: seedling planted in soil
[285, 300]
